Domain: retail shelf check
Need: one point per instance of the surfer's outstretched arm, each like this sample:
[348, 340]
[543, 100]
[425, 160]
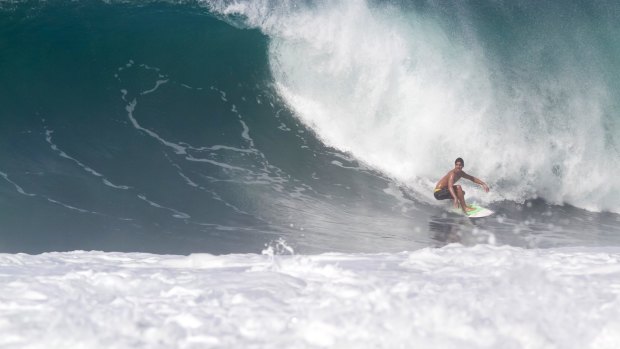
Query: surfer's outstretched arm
[477, 181]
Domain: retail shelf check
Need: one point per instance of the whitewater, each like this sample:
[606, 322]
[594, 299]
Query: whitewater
[259, 174]
[454, 297]
[400, 87]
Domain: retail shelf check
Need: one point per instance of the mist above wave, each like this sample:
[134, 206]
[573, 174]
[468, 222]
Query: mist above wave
[524, 97]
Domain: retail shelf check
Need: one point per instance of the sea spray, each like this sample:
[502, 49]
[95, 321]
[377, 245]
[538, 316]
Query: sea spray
[520, 93]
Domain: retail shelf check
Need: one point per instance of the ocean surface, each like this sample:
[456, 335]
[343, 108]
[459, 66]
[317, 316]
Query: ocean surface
[235, 173]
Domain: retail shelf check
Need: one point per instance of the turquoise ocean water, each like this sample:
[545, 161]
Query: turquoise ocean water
[220, 126]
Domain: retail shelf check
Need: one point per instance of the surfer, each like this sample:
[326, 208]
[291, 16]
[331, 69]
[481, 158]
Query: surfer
[446, 189]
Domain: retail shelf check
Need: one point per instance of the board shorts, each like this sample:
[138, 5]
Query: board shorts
[442, 194]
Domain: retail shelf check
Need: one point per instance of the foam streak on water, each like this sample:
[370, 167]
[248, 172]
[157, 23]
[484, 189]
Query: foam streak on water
[454, 297]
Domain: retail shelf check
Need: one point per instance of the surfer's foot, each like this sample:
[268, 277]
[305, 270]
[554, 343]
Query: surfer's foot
[469, 208]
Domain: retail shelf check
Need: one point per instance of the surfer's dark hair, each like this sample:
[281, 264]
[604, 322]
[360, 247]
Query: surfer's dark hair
[459, 160]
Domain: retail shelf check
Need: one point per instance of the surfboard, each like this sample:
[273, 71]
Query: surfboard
[478, 211]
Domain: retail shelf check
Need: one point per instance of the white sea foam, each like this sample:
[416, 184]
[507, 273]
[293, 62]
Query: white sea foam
[157, 84]
[20, 190]
[407, 94]
[62, 153]
[453, 297]
[176, 213]
[17, 187]
[130, 110]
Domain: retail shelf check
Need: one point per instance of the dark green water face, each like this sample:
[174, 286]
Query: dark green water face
[63, 118]
[158, 127]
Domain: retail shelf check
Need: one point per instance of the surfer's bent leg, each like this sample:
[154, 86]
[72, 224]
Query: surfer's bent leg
[460, 193]
[460, 197]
